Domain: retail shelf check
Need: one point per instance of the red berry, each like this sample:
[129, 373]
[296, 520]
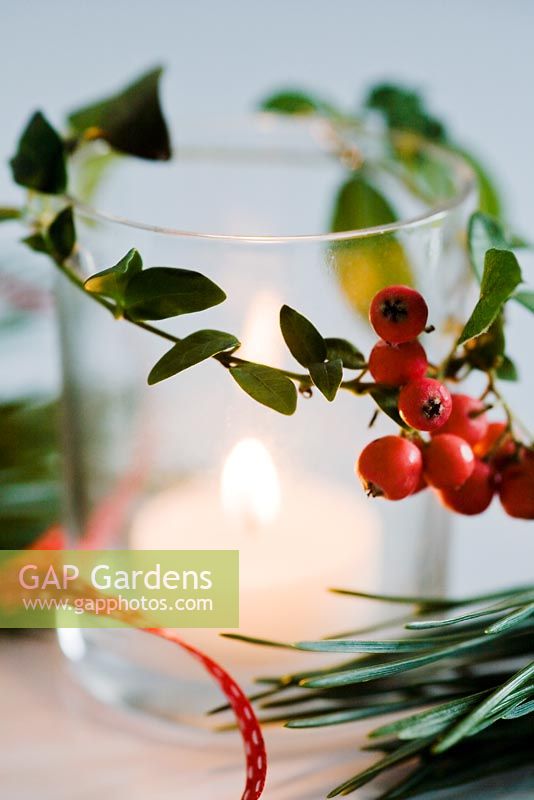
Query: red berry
[397, 364]
[526, 456]
[398, 314]
[421, 485]
[504, 452]
[467, 419]
[516, 490]
[449, 461]
[476, 493]
[390, 467]
[425, 404]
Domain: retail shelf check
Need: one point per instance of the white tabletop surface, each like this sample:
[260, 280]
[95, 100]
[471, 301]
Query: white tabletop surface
[57, 743]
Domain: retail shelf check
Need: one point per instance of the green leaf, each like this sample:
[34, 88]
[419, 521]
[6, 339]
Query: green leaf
[268, 386]
[407, 645]
[239, 637]
[62, 234]
[520, 710]
[37, 243]
[293, 101]
[9, 212]
[387, 401]
[511, 620]
[489, 200]
[423, 174]
[360, 205]
[526, 299]
[507, 370]
[112, 282]
[466, 725]
[364, 266]
[384, 670]
[483, 234]
[501, 276]
[327, 376]
[190, 351]
[351, 357]
[162, 292]
[39, 162]
[303, 339]
[404, 109]
[403, 753]
[29, 478]
[343, 715]
[431, 721]
[486, 351]
[130, 121]
[434, 602]
[511, 601]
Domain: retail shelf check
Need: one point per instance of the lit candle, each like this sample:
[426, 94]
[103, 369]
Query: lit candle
[296, 537]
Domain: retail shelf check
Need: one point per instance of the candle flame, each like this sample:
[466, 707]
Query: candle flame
[250, 488]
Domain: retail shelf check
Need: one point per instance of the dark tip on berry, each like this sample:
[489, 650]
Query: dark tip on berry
[433, 408]
[372, 490]
[394, 309]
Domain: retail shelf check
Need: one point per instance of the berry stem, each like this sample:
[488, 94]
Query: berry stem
[511, 417]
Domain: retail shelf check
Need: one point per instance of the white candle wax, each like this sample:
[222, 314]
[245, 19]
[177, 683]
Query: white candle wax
[296, 538]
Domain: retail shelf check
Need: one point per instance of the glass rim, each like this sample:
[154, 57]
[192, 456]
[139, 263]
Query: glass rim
[463, 170]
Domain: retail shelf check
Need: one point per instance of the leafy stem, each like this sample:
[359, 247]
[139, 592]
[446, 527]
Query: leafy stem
[131, 122]
[227, 359]
[71, 275]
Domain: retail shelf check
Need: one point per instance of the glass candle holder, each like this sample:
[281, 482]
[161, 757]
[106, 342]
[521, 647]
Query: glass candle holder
[193, 462]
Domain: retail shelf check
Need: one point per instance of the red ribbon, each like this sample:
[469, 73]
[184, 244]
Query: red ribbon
[253, 742]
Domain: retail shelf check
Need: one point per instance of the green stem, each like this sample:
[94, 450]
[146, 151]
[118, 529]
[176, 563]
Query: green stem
[356, 386]
[511, 416]
[150, 328]
[227, 360]
[76, 281]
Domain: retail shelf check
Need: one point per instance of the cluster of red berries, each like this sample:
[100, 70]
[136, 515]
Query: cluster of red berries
[467, 458]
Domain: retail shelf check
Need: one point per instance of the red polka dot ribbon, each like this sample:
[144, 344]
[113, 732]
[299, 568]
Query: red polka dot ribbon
[253, 742]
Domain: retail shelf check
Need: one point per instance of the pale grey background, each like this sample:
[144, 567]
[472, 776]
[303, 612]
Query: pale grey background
[474, 60]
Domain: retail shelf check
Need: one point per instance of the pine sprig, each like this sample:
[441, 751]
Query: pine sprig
[467, 722]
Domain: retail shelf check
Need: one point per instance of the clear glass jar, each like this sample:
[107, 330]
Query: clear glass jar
[193, 462]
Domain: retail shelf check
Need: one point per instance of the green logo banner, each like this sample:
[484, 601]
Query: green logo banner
[117, 588]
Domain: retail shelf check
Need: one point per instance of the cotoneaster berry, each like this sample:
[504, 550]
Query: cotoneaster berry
[390, 467]
[398, 314]
[448, 461]
[425, 404]
[423, 483]
[516, 490]
[476, 493]
[527, 456]
[467, 419]
[466, 459]
[395, 365]
[487, 447]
